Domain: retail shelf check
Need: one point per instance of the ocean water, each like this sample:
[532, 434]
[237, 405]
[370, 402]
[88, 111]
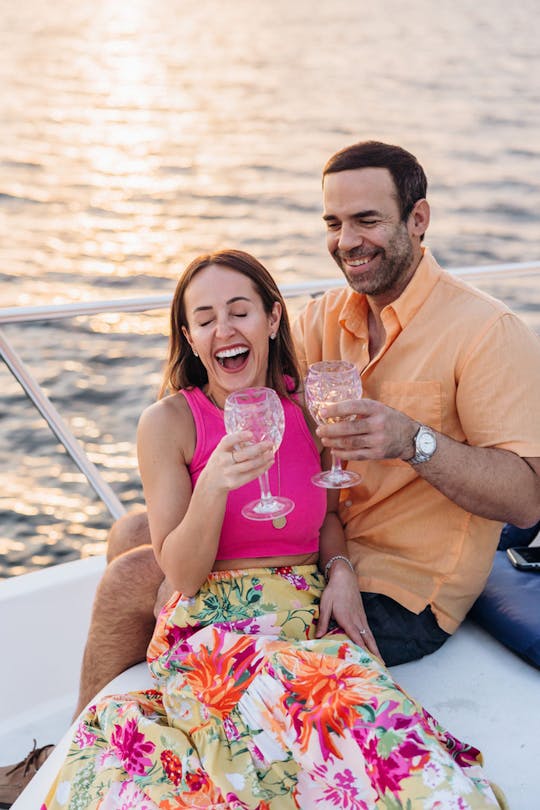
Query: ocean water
[137, 135]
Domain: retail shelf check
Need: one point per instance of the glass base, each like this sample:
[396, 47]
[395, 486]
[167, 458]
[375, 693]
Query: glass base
[342, 479]
[261, 510]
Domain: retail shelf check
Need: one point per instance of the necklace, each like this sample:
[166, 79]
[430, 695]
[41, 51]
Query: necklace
[212, 400]
[281, 521]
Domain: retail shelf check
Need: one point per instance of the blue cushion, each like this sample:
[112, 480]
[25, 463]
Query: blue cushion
[509, 608]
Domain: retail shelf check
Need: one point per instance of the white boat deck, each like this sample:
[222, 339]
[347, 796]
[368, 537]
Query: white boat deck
[479, 690]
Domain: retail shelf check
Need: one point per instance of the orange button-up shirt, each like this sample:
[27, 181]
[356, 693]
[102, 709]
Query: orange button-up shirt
[455, 359]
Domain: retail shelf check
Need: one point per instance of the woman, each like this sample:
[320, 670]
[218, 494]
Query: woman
[255, 705]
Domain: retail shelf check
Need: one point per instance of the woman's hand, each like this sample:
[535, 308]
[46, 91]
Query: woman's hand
[341, 600]
[236, 461]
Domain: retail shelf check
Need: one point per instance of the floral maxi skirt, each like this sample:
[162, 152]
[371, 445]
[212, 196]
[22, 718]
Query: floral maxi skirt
[251, 712]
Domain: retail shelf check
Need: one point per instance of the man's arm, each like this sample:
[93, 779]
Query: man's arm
[487, 481]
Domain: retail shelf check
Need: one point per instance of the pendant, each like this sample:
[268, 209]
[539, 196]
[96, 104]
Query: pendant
[279, 522]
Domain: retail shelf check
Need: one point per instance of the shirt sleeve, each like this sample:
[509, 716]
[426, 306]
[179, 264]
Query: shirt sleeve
[299, 342]
[498, 392]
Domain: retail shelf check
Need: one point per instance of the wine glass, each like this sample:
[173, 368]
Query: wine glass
[328, 382]
[260, 411]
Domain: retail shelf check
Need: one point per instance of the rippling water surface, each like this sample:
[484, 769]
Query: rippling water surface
[136, 135]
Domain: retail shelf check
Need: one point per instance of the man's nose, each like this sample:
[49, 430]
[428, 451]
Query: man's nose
[348, 237]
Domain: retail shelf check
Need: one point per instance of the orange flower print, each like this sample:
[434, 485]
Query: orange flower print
[219, 677]
[323, 697]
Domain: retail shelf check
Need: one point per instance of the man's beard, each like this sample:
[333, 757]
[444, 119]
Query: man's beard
[395, 262]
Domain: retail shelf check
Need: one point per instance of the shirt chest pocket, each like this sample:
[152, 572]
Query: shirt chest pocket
[421, 400]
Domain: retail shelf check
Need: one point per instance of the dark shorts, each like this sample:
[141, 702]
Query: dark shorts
[401, 635]
[511, 536]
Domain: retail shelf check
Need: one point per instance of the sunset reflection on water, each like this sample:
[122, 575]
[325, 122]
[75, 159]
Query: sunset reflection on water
[137, 135]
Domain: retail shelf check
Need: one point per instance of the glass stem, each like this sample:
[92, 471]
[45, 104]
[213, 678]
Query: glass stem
[337, 469]
[266, 495]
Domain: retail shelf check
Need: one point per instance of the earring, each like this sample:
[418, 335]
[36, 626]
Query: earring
[195, 353]
[273, 336]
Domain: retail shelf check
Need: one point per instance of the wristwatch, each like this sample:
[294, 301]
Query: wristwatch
[425, 444]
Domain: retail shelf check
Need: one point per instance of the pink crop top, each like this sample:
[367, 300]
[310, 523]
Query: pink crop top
[296, 461]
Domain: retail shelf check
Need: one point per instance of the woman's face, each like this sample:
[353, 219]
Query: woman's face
[229, 329]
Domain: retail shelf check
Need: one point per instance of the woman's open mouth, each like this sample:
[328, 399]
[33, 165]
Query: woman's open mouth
[233, 358]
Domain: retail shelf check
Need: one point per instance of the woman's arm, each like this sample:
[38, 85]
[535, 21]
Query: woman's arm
[185, 524]
[341, 599]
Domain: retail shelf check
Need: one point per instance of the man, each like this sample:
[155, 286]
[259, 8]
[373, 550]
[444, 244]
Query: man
[445, 437]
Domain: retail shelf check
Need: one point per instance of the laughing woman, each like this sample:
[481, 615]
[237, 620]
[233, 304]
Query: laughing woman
[254, 706]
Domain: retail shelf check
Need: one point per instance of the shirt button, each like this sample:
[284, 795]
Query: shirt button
[348, 503]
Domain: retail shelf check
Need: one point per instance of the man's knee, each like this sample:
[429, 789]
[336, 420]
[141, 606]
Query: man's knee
[128, 532]
[132, 578]
[122, 619]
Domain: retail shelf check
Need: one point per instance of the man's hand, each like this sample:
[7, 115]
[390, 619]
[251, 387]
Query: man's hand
[488, 481]
[367, 429]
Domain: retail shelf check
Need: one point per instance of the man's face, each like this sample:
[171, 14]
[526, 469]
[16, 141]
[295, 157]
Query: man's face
[365, 234]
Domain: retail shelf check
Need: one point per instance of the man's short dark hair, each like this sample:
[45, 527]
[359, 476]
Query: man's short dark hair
[408, 175]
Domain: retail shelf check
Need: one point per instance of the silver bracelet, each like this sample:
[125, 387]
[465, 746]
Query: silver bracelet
[332, 560]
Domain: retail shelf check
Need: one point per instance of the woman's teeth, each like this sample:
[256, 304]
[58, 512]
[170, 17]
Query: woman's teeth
[226, 354]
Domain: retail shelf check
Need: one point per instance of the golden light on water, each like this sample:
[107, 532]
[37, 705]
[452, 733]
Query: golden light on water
[150, 323]
[139, 134]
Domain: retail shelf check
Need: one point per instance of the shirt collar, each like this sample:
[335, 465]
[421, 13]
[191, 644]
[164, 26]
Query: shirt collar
[353, 316]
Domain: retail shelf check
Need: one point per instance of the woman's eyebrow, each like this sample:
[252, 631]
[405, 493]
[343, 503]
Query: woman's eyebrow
[238, 298]
[230, 301]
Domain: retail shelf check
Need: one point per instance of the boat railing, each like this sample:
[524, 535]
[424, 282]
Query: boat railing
[54, 312]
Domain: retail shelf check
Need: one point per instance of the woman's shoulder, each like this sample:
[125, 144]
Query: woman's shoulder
[167, 414]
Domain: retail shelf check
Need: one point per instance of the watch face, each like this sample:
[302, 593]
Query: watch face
[426, 443]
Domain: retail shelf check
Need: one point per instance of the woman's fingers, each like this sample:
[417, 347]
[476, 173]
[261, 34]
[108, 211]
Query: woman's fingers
[237, 460]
